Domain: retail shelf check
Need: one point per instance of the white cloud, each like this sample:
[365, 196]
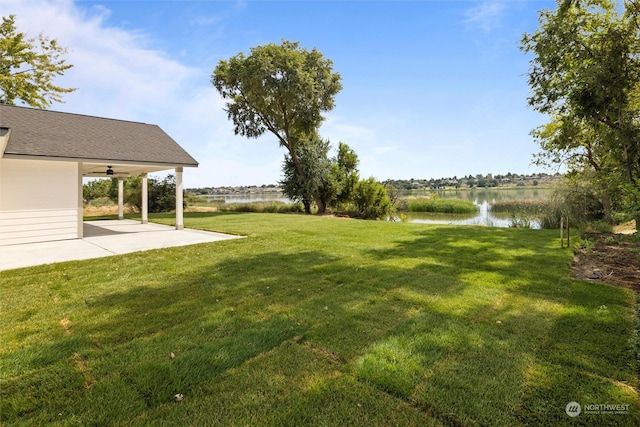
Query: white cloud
[485, 15]
[129, 74]
[121, 74]
[115, 71]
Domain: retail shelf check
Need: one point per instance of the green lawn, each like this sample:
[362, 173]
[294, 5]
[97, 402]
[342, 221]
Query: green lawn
[318, 321]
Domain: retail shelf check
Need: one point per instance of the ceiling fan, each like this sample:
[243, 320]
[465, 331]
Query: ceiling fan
[109, 172]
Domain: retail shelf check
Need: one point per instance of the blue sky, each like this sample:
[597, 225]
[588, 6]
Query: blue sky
[430, 88]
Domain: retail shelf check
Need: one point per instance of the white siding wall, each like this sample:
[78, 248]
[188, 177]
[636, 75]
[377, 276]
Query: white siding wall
[39, 201]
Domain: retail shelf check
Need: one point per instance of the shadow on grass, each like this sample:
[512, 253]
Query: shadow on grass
[550, 339]
[458, 323]
[214, 316]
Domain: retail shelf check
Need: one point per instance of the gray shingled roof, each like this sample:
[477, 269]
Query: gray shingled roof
[51, 134]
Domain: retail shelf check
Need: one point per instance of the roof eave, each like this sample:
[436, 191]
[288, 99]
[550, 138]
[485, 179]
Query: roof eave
[5, 134]
[96, 160]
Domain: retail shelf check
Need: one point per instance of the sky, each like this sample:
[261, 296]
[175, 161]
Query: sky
[431, 88]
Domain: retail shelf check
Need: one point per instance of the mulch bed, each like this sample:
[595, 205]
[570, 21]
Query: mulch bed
[609, 258]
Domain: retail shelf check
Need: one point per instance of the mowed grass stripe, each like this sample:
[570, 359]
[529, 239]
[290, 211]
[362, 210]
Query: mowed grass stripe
[318, 321]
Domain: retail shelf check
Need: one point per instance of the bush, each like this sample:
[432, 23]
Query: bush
[100, 202]
[519, 220]
[161, 193]
[576, 200]
[371, 200]
[596, 227]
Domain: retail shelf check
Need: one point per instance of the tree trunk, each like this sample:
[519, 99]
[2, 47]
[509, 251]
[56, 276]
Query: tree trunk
[606, 206]
[629, 174]
[636, 209]
[319, 202]
[298, 166]
[322, 208]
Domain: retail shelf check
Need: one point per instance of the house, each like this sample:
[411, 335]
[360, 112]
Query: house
[45, 154]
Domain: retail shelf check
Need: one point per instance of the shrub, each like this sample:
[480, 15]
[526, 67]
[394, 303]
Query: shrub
[519, 220]
[100, 202]
[371, 200]
[576, 200]
[161, 193]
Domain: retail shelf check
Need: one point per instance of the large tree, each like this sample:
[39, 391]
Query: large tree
[282, 89]
[585, 75]
[29, 67]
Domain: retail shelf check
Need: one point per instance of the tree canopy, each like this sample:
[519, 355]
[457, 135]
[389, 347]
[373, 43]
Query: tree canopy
[282, 89]
[29, 67]
[585, 75]
[333, 179]
[315, 177]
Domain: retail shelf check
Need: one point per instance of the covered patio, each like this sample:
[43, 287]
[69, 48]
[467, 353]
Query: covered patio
[122, 170]
[45, 155]
[102, 239]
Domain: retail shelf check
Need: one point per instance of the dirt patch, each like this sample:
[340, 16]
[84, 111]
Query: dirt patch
[609, 258]
[625, 228]
[66, 325]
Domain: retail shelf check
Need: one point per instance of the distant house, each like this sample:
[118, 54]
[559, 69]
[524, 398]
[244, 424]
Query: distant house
[45, 154]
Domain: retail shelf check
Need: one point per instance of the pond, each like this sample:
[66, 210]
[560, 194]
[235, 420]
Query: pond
[483, 198]
[483, 217]
[249, 197]
[491, 195]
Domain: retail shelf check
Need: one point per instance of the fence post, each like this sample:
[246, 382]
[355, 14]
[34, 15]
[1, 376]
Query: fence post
[568, 233]
[561, 230]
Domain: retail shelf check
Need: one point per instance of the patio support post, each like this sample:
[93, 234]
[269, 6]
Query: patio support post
[80, 204]
[120, 198]
[179, 200]
[145, 199]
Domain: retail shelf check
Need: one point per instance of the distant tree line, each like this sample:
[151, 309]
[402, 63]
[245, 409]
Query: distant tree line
[243, 189]
[473, 181]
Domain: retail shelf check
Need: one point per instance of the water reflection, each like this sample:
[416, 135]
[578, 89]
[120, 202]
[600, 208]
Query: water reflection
[490, 195]
[249, 197]
[483, 217]
[483, 198]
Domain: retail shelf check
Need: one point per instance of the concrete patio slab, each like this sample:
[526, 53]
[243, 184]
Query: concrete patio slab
[105, 238]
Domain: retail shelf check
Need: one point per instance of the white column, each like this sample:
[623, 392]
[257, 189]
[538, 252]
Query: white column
[145, 199]
[179, 200]
[120, 198]
[80, 203]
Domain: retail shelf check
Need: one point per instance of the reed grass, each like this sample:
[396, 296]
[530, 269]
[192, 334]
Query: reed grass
[528, 206]
[263, 207]
[437, 205]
